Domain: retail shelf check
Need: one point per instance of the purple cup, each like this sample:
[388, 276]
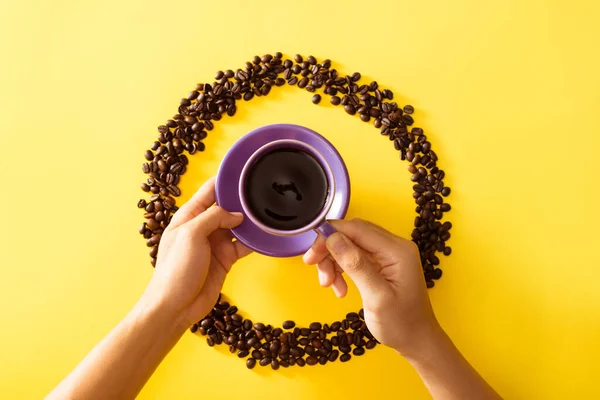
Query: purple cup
[319, 224]
[228, 194]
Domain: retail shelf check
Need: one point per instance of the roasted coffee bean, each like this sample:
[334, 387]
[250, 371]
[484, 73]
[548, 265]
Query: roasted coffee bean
[350, 109]
[408, 109]
[334, 355]
[303, 341]
[247, 325]
[335, 100]
[309, 350]
[315, 326]
[345, 357]
[300, 362]
[250, 363]
[277, 332]
[359, 351]
[352, 316]
[304, 331]
[316, 99]
[335, 326]
[310, 360]
[265, 361]
[242, 353]
[289, 325]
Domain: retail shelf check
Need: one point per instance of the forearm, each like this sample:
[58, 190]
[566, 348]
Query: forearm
[119, 366]
[447, 374]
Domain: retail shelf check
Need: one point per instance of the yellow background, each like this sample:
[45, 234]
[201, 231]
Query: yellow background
[508, 91]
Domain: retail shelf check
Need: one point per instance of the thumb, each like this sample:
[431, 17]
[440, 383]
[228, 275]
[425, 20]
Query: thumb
[215, 218]
[354, 262]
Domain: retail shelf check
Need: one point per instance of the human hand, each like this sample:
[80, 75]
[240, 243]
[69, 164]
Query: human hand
[196, 252]
[387, 271]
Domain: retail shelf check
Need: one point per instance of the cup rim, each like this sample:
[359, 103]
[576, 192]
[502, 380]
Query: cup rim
[292, 143]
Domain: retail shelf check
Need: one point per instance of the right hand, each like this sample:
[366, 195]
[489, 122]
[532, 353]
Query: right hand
[387, 271]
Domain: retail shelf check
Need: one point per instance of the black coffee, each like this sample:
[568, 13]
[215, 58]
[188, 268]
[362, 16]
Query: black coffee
[286, 189]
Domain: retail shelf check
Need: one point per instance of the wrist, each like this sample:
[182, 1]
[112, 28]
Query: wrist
[159, 316]
[427, 343]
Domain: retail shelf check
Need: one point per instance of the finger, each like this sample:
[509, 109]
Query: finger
[214, 218]
[241, 250]
[366, 235]
[317, 252]
[326, 272]
[340, 287]
[355, 263]
[200, 201]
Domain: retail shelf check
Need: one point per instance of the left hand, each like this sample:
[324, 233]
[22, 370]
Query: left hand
[195, 254]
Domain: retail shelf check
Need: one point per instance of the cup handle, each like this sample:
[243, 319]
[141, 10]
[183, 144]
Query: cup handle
[325, 229]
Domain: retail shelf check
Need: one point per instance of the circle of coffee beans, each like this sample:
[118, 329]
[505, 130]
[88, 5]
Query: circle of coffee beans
[166, 161]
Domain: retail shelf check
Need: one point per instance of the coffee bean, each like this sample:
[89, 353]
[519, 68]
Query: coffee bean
[447, 251]
[243, 353]
[316, 99]
[289, 325]
[335, 326]
[345, 357]
[408, 109]
[349, 108]
[275, 364]
[250, 363]
[335, 100]
[315, 326]
[311, 360]
[371, 344]
[359, 351]
[265, 361]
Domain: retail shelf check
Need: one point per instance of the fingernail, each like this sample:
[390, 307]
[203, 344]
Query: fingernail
[337, 243]
[237, 214]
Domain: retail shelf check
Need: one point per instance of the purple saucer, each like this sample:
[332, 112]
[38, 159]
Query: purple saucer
[228, 178]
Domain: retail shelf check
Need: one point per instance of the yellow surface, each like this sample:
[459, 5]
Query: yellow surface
[508, 92]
